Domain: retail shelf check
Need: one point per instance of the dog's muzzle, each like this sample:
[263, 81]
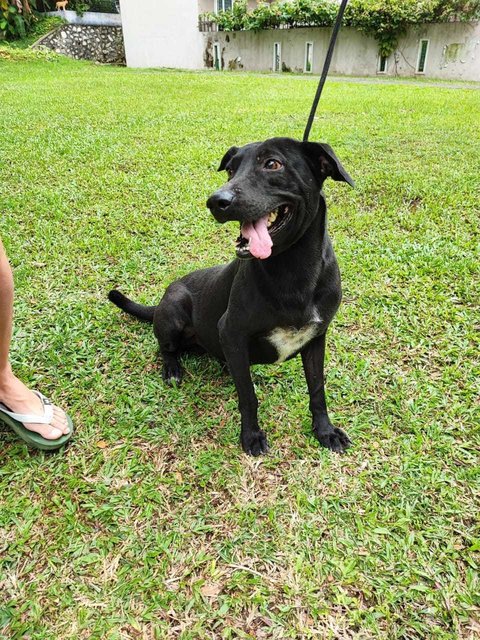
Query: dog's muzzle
[219, 203]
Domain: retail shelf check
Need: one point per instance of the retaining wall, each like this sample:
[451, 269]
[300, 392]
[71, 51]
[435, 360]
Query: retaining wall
[87, 42]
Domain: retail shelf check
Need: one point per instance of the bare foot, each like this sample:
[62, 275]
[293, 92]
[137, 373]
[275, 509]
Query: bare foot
[18, 398]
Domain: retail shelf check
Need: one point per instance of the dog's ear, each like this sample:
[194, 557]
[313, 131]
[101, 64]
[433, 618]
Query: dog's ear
[325, 163]
[226, 158]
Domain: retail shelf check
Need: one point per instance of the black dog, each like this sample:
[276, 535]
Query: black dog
[278, 297]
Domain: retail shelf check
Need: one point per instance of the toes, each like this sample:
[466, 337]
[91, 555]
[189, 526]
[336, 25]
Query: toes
[59, 420]
[47, 431]
[344, 439]
[57, 427]
[172, 373]
[255, 444]
[52, 433]
[335, 440]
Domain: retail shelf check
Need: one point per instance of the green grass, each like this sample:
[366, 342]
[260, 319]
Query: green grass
[153, 524]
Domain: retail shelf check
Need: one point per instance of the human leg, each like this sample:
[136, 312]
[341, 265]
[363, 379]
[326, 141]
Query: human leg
[14, 394]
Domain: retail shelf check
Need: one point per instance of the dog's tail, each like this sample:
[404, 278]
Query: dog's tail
[140, 311]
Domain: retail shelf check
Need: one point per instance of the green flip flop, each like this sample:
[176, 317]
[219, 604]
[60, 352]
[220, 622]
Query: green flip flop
[17, 422]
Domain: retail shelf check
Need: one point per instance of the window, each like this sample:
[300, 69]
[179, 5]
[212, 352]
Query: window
[223, 5]
[422, 56]
[307, 67]
[382, 64]
[277, 56]
[217, 57]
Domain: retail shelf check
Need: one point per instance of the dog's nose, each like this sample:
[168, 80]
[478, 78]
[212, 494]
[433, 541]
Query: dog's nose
[220, 200]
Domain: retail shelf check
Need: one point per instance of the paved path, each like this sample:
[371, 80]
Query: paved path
[403, 81]
[407, 81]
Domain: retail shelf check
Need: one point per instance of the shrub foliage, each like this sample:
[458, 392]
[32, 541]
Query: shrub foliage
[17, 18]
[385, 20]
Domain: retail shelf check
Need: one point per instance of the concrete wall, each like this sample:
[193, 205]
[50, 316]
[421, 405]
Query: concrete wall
[89, 18]
[162, 33]
[453, 51]
[253, 51]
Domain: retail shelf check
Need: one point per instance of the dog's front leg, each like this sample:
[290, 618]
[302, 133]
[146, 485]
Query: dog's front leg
[235, 350]
[313, 356]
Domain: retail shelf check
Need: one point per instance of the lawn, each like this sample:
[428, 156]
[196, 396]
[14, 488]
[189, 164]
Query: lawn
[153, 524]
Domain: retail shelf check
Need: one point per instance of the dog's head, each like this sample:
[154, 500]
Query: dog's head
[274, 189]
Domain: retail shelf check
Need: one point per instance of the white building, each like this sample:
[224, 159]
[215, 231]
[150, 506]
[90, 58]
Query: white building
[165, 33]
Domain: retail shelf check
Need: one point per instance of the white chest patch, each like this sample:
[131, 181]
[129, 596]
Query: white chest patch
[290, 340]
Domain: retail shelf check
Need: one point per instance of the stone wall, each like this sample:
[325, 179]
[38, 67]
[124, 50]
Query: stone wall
[86, 42]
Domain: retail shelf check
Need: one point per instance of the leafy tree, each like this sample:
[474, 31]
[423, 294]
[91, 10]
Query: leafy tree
[17, 18]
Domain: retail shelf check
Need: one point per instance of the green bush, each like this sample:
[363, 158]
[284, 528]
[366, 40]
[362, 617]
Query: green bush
[234, 20]
[44, 25]
[316, 13]
[17, 18]
[296, 13]
[385, 20]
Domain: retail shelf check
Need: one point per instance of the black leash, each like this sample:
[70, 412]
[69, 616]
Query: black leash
[326, 66]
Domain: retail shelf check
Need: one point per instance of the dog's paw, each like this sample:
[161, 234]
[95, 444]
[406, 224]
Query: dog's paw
[334, 439]
[172, 373]
[254, 443]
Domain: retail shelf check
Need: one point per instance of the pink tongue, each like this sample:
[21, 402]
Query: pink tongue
[260, 241]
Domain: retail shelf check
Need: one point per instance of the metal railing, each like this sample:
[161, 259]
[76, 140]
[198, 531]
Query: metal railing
[206, 25]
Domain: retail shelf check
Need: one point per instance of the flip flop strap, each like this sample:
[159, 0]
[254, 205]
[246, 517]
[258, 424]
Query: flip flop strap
[30, 418]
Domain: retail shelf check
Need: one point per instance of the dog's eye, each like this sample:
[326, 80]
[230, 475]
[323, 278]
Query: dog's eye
[272, 165]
